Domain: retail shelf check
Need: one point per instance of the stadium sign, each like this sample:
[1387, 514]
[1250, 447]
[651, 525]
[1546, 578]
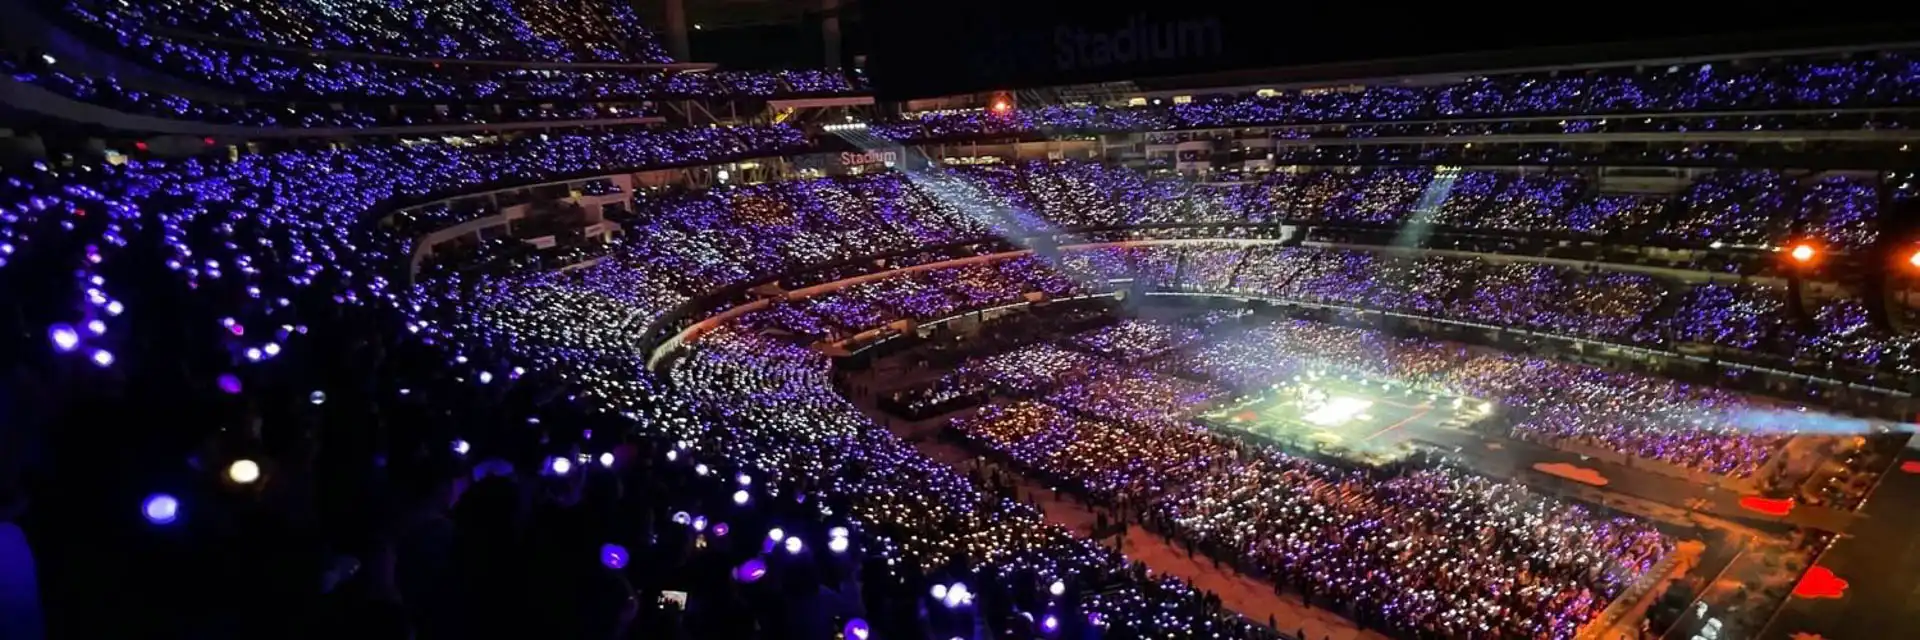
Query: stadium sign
[1141, 40]
[878, 156]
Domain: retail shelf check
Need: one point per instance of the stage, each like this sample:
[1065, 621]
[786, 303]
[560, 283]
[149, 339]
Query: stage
[1365, 420]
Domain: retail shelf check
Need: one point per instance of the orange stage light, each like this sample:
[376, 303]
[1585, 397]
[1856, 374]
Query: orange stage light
[1803, 253]
[1914, 259]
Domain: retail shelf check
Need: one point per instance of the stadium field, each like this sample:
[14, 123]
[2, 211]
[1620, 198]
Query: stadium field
[1365, 420]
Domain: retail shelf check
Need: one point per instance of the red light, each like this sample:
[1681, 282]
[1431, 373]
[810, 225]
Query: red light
[1803, 253]
[1914, 259]
[1820, 583]
[208, 140]
[140, 145]
[1769, 506]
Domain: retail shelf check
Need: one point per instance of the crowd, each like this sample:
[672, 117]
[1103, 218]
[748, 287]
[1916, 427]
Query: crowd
[392, 89]
[593, 30]
[781, 228]
[483, 451]
[1409, 550]
[1689, 426]
[1110, 462]
[1819, 84]
[1592, 125]
[1734, 207]
[1425, 553]
[108, 92]
[303, 443]
[1134, 339]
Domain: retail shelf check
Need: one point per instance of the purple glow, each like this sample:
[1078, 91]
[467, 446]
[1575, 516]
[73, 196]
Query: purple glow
[96, 327]
[64, 338]
[720, 529]
[856, 629]
[229, 383]
[559, 465]
[1050, 623]
[103, 358]
[613, 556]
[160, 508]
[751, 571]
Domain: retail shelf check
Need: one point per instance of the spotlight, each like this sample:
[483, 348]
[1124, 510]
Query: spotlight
[317, 397]
[836, 545]
[743, 479]
[1050, 624]
[1803, 253]
[795, 546]
[1057, 588]
[243, 471]
[102, 357]
[606, 460]
[461, 447]
[837, 532]
[776, 535]
[740, 497]
[559, 465]
[160, 508]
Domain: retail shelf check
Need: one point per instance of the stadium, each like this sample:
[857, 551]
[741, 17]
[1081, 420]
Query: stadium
[856, 319]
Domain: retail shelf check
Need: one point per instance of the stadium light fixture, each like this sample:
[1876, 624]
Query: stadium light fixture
[1803, 253]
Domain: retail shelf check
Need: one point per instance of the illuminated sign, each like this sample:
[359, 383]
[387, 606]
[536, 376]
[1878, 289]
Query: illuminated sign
[854, 159]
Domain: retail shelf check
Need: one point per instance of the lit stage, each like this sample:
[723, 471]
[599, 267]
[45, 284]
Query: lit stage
[1368, 421]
